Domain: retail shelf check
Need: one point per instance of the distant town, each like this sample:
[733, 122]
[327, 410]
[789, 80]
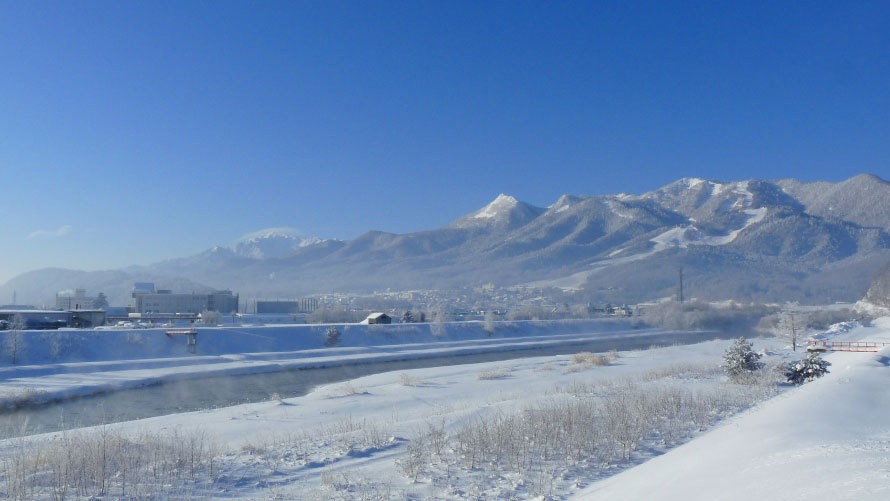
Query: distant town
[151, 306]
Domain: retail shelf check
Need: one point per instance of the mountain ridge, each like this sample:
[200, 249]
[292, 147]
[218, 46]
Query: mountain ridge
[746, 240]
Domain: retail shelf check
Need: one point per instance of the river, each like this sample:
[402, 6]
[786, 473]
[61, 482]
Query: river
[214, 392]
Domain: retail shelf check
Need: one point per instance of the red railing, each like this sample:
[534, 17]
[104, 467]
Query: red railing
[181, 332]
[851, 346]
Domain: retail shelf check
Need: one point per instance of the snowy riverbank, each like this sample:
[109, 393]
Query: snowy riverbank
[104, 360]
[501, 430]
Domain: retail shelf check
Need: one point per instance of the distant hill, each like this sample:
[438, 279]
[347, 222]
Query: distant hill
[746, 240]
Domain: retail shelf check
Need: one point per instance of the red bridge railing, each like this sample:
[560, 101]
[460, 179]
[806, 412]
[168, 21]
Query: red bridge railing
[852, 346]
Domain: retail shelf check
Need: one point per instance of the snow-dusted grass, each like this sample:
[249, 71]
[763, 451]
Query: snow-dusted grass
[528, 428]
[570, 439]
[101, 463]
[494, 374]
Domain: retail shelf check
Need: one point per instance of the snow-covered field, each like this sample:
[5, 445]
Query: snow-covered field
[829, 439]
[582, 426]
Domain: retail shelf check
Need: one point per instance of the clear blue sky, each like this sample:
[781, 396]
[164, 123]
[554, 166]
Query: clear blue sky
[141, 130]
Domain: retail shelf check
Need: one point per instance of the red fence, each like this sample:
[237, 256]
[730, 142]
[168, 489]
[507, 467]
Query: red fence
[852, 346]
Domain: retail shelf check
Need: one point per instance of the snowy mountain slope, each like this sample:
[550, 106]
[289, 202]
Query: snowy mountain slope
[756, 238]
[273, 243]
[504, 211]
[586, 229]
[829, 439]
[878, 293]
[861, 199]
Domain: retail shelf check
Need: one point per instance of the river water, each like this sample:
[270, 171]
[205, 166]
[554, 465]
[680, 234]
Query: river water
[214, 392]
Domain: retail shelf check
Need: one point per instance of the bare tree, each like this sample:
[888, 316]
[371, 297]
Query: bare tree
[439, 316]
[489, 321]
[792, 325]
[211, 317]
[14, 342]
[335, 314]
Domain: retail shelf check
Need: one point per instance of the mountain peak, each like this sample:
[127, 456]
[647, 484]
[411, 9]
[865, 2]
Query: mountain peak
[865, 180]
[505, 210]
[564, 203]
[272, 243]
[271, 233]
[498, 205]
[692, 182]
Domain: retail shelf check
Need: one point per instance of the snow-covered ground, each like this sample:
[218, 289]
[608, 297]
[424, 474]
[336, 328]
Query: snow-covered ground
[829, 439]
[501, 430]
[59, 364]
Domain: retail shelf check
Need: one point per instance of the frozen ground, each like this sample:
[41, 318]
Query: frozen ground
[829, 439]
[499, 430]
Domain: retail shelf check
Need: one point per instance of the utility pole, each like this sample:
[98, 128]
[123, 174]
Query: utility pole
[680, 285]
[792, 328]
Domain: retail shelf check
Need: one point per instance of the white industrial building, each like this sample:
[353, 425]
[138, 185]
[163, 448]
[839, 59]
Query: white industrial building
[148, 300]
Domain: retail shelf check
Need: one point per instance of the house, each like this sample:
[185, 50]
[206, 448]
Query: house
[378, 318]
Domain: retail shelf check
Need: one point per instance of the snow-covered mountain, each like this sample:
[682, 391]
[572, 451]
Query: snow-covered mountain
[747, 240]
[504, 212]
[862, 199]
[272, 243]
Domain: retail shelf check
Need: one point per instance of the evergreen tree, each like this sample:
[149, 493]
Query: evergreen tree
[810, 368]
[332, 337]
[407, 317]
[741, 361]
[101, 302]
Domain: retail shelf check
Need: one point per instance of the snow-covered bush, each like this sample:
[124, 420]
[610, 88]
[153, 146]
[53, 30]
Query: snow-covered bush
[701, 315]
[588, 358]
[740, 361]
[810, 368]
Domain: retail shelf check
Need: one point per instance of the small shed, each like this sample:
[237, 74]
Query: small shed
[378, 318]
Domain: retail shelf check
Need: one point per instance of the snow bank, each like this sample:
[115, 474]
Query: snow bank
[829, 439]
[64, 364]
[54, 347]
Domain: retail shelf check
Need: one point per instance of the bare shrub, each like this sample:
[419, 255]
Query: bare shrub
[344, 390]
[682, 371]
[599, 360]
[416, 456]
[697, 315]
[588, 425]
[587, 358]
[406, 380]
[499, 373]
[103, 463]
[570, 369]
[580, 358]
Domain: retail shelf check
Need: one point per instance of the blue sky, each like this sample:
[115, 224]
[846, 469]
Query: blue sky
[136, 131]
